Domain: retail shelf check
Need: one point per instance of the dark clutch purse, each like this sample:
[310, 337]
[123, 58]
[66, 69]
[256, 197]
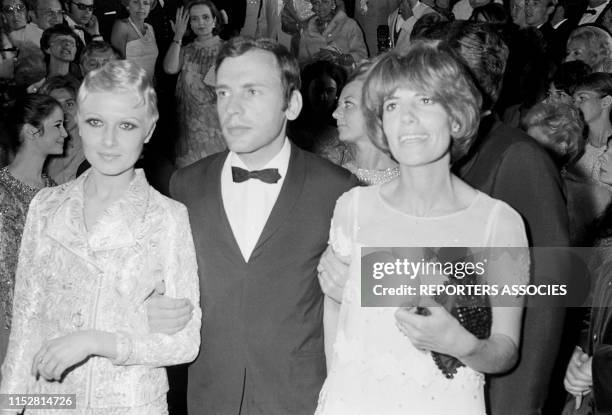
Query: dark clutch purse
[472, 311]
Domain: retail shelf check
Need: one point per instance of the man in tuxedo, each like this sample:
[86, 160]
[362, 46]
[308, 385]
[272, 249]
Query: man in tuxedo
[260, 214]
[594, 12]
[538, 14]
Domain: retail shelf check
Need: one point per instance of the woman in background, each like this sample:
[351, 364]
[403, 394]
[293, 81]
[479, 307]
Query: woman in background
[331, 35]
[199, 132]
[589, 44]
[593, 96]
[37, 132]
[366, 161]
[134, 39]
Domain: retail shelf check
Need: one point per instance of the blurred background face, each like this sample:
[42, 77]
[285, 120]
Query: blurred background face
[558, 95]
[589, 103]
[537, 12]
[68, 101]
[577, 51]
[517, 12]
[14, 14]
[96, 60]
[139, 9]
[81, 11]
[322, 93]
[48, 13]
[201, 20]
[323, 8]
[62, 47]
[350, 120]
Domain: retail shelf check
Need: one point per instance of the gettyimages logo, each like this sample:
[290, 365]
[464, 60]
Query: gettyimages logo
[546, 277]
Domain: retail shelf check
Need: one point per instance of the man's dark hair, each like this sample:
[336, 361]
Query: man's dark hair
[288, 65]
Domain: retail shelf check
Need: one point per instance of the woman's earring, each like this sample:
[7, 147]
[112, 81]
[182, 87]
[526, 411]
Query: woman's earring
[455, 127]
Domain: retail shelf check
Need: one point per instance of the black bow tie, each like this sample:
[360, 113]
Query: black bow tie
[266, 175]
[590, 11]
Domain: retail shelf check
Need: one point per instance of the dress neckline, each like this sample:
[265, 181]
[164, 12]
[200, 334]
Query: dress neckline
[437, 217]
[138, 32]
[22, 186]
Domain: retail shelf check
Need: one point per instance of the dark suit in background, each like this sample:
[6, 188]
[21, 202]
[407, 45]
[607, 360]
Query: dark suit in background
[508, 165]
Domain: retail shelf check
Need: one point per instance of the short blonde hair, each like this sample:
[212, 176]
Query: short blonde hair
[121, 76]
[431, 67]
[597, 42]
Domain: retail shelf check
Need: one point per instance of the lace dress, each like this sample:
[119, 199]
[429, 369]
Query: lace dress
[375, 369]
[199, 132]
[70, 279]
[15, 198]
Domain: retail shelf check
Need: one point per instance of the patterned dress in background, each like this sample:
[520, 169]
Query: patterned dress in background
[15, 198]
[199, 132]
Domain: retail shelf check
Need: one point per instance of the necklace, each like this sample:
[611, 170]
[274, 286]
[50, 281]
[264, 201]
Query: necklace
[139, 32]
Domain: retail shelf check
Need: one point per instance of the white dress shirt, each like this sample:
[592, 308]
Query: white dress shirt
[248, 204]
[590, 18]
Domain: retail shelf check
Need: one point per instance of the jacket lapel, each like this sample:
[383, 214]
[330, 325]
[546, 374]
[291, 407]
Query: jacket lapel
[287, 198]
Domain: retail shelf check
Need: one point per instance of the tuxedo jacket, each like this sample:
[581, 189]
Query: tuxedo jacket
[262, 334]
[508, 165]
[556, 39]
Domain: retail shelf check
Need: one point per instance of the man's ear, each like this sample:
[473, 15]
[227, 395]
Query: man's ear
[606, 101]
[294, 105]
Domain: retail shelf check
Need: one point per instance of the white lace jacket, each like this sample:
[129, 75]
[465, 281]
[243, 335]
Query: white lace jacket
[69, 279]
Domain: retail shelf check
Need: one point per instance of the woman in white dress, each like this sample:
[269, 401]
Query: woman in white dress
[420, 107]
[135, 39]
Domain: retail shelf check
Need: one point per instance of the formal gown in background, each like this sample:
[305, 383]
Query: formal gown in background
[199, 132]
[143, 50]
[15, 198]
[375, 369]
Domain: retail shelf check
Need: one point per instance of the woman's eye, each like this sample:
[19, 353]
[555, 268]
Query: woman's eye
[348, 104]
[127, 126]
[427, 100]
[390, 106]
[94, 122]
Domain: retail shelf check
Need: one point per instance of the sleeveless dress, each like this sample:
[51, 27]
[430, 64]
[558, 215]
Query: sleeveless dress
[143, 50]
[199, 132]
[375, 369]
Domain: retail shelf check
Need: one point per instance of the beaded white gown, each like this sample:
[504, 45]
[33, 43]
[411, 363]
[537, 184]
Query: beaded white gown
[375, 369]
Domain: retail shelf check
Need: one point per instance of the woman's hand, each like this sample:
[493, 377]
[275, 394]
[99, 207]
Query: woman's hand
[578, 376]
[57, 355]
[180, 26]
[439, 331]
